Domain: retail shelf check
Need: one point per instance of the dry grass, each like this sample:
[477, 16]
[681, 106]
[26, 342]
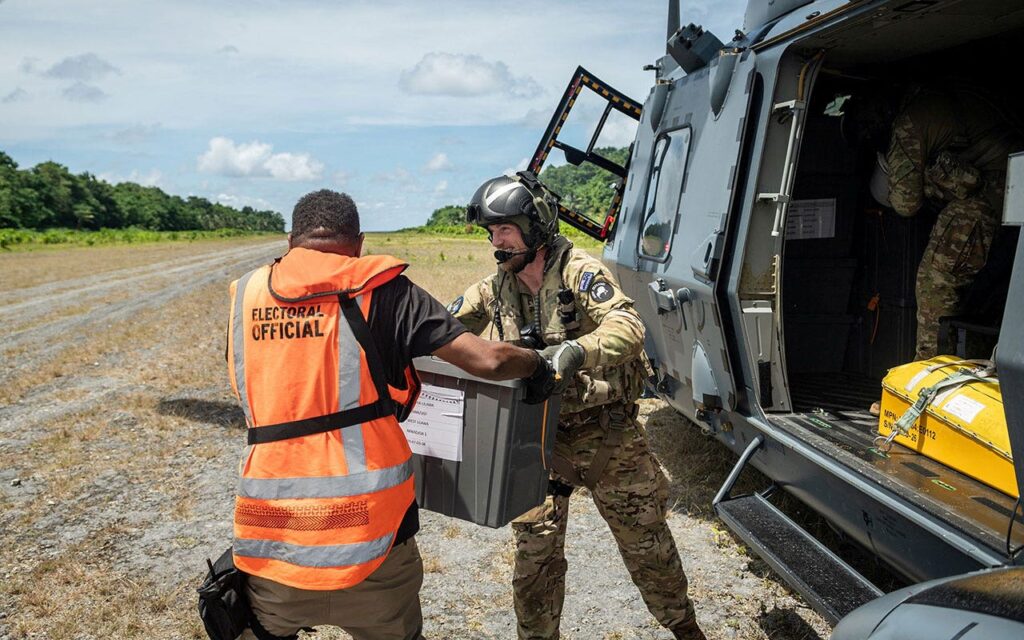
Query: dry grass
[695, 464]
[164, 405]
[31, 268]
[443, 266]
[432, 564]
[462, 261]
[196, 333]
[127, 439]
[78, 594]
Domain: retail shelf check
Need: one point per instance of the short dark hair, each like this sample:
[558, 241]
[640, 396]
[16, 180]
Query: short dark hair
[325, 214]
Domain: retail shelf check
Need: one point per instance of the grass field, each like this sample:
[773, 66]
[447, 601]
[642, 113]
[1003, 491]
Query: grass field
[31, 240]
[119, 442]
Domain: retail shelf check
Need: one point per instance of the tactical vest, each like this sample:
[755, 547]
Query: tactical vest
[327, 477]
[591, 387]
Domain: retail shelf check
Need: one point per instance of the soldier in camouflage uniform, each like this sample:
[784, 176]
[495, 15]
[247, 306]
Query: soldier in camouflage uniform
[950, 148]
[547, 293]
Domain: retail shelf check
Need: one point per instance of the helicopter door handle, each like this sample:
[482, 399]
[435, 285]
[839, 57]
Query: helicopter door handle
[664, 298]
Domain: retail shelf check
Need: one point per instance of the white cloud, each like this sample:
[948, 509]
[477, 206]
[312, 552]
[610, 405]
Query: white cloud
[238, 202]
[153, 178]
[437, 163]
[293, 167]
[451, 74]
[537, 118]
[341, 178]
[15, 96]
[224, 157]
[441, 188]
[521, 166]
[85, 67]
[81, 92]
[618, 132]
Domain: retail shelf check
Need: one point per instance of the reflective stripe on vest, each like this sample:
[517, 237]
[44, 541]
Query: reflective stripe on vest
[316, 511]
[324, 487]
[334, 555]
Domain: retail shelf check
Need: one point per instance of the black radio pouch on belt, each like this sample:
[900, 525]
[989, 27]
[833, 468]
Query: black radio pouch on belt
[223, 605]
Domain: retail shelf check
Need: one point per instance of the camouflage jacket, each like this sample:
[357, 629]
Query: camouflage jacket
[610, 330]
[947, 146]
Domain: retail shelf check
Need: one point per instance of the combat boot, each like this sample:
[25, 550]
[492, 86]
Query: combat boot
[689, 632]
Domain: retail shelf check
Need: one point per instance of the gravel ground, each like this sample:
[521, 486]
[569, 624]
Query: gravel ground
[467, 594]
[118, 448]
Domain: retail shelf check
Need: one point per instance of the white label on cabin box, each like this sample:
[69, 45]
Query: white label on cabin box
[967, 409]
[434, 427]
[810, 219]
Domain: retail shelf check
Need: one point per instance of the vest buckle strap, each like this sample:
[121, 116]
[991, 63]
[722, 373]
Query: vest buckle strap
[322, 424]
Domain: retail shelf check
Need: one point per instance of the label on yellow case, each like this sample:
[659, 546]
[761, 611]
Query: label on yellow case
[964, 408]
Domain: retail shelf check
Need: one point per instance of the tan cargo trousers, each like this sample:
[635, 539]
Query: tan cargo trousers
[385, 606]
[631, 494]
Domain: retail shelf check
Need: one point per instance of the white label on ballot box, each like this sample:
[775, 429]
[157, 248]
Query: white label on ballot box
[434, 428]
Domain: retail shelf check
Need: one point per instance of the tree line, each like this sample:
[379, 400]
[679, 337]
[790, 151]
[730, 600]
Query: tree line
[586, 189]
[49, 196]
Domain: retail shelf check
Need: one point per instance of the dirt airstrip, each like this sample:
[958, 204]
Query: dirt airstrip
[119, 442]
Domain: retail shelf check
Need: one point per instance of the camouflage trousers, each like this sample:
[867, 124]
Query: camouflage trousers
[631, 495]
[957, 250]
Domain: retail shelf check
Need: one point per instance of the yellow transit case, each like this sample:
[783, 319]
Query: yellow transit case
[950, 410]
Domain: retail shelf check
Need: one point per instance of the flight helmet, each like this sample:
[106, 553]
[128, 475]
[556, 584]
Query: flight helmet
[520, 200]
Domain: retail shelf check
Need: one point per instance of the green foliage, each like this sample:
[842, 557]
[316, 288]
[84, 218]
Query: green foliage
[49, 196]
[578, 238]
[447, 230]
[450, 215]
[586, 188]
[31, 239]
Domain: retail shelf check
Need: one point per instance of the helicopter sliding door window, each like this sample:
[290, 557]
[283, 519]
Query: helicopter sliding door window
[606, 166]
[664, 193]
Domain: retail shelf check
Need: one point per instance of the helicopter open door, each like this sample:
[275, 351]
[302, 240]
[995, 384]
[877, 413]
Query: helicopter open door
[688, 174]
[597, 224]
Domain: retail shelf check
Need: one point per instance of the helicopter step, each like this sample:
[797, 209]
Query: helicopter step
[832, 587]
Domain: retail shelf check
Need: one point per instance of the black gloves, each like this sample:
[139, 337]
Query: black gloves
[541, 383]
[556, 366]
[566, 359]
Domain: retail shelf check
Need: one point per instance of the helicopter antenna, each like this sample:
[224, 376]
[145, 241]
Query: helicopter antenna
[673, 20]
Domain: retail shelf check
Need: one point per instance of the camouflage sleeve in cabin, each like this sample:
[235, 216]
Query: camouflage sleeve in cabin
[619, 333]
[472, 308]
[906, 160]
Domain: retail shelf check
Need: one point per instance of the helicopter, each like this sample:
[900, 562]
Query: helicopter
[777, 292]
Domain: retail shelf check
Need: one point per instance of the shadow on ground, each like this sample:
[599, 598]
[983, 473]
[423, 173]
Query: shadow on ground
[786, 623]
[697, 464]
[215, 412]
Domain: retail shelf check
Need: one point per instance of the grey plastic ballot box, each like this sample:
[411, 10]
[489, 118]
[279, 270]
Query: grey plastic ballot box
[506, 446]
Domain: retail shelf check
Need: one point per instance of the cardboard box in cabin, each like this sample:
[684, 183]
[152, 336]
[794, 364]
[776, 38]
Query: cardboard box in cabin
[964, 427]
[483, 453]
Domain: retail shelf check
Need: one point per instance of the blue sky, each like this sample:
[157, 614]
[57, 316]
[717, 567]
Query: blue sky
[407, 106]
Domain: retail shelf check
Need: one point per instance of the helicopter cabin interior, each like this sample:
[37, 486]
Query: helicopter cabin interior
[849, 265]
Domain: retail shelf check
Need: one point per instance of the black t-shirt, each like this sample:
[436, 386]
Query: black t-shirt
[406, 322]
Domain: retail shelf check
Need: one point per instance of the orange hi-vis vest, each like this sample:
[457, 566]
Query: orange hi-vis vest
[327, 477]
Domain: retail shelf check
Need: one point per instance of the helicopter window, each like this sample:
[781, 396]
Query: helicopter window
[664, 192]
